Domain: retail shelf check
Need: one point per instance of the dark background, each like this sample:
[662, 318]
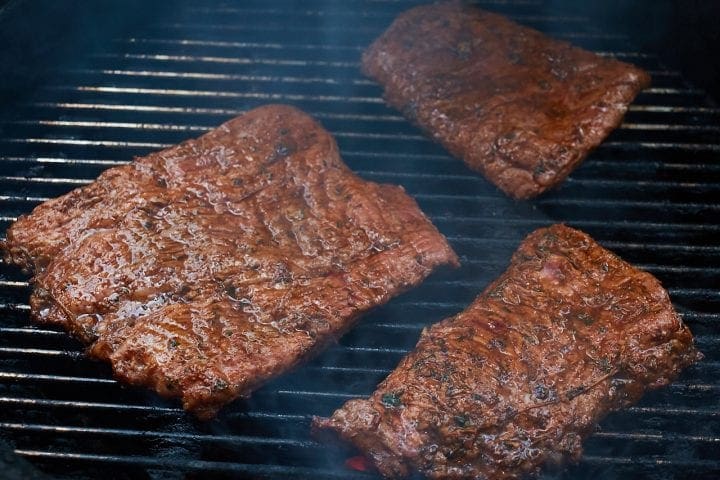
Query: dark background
[685, 33]
[33, 33]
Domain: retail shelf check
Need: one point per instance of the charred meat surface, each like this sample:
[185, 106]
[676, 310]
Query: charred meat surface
[204, 270]
[517, 106]
[568, 333]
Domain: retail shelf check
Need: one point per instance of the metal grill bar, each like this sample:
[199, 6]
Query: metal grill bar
[235, 94]
[192, 465]
[203, 128]
[265, 441]
[386, 117]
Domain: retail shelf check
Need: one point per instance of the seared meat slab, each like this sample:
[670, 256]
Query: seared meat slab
[567, 334]
[519, 107]
[204, 270]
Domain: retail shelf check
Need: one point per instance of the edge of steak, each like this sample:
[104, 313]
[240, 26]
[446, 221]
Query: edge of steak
[568, 333]
[206, 269]
[517, 106]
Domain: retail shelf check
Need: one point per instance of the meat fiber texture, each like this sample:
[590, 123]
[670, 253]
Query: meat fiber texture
[206, 269]
[567, 334]
[517, 106]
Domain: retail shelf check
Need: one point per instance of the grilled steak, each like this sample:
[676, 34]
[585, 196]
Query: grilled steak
[519, 107]
[568, 333]
[203, 270]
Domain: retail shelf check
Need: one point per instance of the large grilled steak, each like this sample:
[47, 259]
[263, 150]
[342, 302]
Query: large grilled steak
[204, 270]
[567, 334]
[521, 108]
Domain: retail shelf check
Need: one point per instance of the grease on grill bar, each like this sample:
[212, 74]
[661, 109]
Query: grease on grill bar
[672, 433]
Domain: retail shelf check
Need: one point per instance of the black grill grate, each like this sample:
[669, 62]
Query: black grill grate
[650, 193]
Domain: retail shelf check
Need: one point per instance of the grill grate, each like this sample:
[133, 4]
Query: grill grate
[651, 193]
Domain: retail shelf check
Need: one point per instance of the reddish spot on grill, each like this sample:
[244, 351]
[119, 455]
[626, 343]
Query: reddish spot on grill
[359, 463]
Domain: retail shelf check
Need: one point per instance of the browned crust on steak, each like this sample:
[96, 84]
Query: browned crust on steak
[567, 334]
[517, 106]
[204, 270]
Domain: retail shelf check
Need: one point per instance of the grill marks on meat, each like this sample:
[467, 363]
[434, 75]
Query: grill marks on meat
[567, 334]
[519, 107]
[203, 270]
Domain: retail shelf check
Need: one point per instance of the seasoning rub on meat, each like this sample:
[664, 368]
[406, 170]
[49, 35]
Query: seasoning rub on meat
[519, 107]
[568, 333]
[204, 270]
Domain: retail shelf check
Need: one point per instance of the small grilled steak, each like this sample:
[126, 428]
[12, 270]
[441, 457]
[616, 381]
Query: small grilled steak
[568, 333]
[203, 270]
[519, 107]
